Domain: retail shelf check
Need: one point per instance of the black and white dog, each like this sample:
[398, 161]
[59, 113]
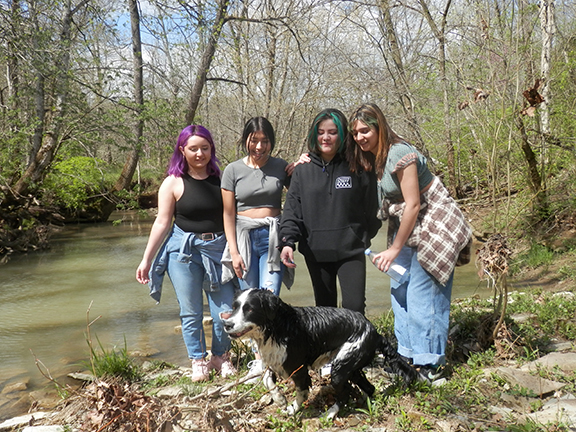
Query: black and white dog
[293, 339]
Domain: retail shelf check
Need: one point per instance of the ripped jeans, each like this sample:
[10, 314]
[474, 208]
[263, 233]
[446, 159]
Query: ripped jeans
[257, 275]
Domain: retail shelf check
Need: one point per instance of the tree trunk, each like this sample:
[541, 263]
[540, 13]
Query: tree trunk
[271, 69]
[440, 34]
[206, 60]
[534, 176]
[401, 81]
[548, 27]
[138, 128]
[12, 60]
[51, 126]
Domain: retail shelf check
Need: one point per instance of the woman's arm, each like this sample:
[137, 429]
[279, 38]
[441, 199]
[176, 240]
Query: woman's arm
[371, 204]
[229, 201]
[408, 178]
[290, 226]
[160, 227]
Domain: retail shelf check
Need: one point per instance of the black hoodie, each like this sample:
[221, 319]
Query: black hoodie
[329, 211]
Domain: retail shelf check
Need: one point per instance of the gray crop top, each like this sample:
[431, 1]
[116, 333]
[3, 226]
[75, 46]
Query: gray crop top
[256, 187]
[399, 157]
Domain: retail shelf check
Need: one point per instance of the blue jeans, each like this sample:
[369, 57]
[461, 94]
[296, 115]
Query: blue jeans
[188, 281]
[421, 308]
[257, 275]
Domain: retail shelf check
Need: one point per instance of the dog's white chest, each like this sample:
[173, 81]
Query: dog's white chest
[274, 356]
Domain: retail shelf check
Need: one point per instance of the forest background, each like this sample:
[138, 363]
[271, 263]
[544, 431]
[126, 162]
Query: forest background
[93, 94]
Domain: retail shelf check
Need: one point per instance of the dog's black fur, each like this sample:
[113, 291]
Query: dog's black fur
[293, 339]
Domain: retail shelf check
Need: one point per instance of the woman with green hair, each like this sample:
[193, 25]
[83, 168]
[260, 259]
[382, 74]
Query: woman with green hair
[331, 213]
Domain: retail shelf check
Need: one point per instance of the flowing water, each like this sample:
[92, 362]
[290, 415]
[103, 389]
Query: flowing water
[47, 299]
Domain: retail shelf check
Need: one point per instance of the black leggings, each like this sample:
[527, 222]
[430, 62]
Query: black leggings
[351, 273]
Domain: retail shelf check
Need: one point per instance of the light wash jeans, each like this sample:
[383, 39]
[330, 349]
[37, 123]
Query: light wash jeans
[421, 308]
[187, 274]
[258, 276]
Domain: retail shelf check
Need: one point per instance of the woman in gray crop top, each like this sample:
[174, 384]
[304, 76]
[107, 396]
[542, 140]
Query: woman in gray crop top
[252, 197]
[427, 232]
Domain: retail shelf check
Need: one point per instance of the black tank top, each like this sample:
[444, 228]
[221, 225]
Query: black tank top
[200, 208]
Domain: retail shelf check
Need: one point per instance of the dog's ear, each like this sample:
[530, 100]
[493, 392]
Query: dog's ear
[270, 303]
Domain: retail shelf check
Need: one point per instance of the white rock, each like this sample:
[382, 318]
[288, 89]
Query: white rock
[503, 411]
[536, 384]
[556, 411]
[14, 387]
[565, 361]
[82, 376]
[169, 392]
[21, 420]
[57, 428]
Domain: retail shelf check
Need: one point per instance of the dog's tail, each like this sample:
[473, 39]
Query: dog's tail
[396, 363]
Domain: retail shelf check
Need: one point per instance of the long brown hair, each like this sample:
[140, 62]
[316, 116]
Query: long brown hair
[372, 116]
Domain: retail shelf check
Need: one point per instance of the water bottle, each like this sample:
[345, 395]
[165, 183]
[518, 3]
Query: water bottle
[395, 271]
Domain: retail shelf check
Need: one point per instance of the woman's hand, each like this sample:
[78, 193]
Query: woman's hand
[304, 158]
[385, 258]
[287, 257]
[142, 272]
[239, 266]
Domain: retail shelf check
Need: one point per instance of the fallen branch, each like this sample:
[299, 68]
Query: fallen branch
[46, 374]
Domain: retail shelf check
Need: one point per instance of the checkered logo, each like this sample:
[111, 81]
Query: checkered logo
[344, 182]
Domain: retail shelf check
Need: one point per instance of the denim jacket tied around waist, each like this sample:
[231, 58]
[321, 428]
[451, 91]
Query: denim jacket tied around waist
[187, 244]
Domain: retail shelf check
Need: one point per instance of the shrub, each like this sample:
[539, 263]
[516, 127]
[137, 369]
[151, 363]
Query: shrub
[74, 180]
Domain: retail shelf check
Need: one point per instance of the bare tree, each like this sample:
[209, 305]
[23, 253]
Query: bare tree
[131, 163]
[439, 31]
[399, 74]
[206, 59]
[12, 75]
[548, 28]
[536, 171]
[48, 134]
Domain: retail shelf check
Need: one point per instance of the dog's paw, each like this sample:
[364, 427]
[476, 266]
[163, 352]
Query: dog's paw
[293, 408]
[278, 397]
[266, 399]
[332, 412]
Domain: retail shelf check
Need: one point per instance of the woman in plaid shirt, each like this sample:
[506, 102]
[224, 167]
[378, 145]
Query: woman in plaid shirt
[427, 233]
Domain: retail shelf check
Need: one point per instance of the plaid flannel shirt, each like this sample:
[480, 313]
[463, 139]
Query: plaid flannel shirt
[441, 235]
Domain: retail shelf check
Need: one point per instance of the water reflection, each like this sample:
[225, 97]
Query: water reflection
[44, 300]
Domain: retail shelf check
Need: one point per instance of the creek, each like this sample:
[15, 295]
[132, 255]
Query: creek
[47, 299]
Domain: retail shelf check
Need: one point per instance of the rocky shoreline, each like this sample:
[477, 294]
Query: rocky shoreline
[221, 402]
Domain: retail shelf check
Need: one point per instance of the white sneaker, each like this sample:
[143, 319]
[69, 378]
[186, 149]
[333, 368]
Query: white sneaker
[256, 367]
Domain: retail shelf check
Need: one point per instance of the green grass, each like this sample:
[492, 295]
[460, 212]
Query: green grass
[553, 316]
[469, 391]
[113, 363]
[537, 256]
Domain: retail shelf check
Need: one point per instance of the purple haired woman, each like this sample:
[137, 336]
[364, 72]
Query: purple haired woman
[186, 241]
